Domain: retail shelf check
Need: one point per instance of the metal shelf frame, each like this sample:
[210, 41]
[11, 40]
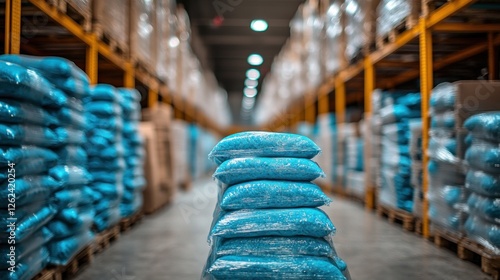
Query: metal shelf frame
[95, 48]
[420, 36]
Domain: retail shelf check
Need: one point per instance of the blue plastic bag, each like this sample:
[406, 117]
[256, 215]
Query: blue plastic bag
[484, 157]
[17, 154]
[72, 197]
[71, 118]
[270, 268]
[15, 134]
[263, 144]
[62, 251]
[70, 136]
[103, 108]
[107, 219]
[29, 223]
[487, 208]
[239, 170]
[29, 267]
[108, 191]
[27, 190]
[275, 246]
[485, 125]
[273, 222]
[61, 229]
[12, 111]
[70, 175]
[103, 92]
[272, 194]
[443, 97]
[72, 155]
[28, 167]
[23, 84]
[484, 232]
[483, 183]
[24, 249]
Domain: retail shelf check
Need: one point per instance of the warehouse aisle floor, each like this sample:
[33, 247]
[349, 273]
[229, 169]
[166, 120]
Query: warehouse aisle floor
[172, 245]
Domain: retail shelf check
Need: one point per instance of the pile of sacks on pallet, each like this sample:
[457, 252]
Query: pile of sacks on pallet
[45, 185]
[398, 112]
[266, 223]
[446, 194]
[482, 181]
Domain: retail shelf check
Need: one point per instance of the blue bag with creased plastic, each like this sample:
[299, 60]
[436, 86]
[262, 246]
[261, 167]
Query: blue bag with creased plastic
[483, 183]
[250, 169]
[70, 175]
[17, 134]
[17, 154]
[12, 111]
[62, 251]
[29, 267]
[24, 249]
[27, 190]
[485, 125]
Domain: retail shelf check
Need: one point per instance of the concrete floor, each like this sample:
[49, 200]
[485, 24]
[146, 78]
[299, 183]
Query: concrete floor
[172, 245]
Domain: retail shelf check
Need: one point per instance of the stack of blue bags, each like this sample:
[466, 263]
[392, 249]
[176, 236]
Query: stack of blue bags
[266, 223]
[133, 146]
[483, 179]
[25, 157]
[400, 110]
[447, 194]
[105, 153]
[416, 153]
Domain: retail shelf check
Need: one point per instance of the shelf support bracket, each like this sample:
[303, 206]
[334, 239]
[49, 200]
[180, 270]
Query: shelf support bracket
[92, 56]
[369, 87]
[426, 82]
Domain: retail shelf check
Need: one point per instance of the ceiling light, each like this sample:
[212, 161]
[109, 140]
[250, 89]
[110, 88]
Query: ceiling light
[255, 59]
[251, 83]
[173, 42]
[253, 74]
[250, 92]
[259, 25]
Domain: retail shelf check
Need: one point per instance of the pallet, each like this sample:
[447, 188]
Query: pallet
[83, 259]
[113, 44]
[105, 238]
[48, 274]
[127, 223]
[397, 216]
[389, 38]
[419, 226]
[469, 250]
[73, 12]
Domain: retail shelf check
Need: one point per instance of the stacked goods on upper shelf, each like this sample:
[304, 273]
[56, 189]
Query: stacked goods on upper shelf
[483, 179]
[326, 139]
[360, 24]
[266, 222]
[416, 167]
[159, 163]
[133, 146]
[393, 13]
[142, 36]
[354, 176]
[334, 38]
[25, 100]
[73, 199]
[398, 113]
[106, 153]
[111, 20]
[447, 194]
[166, 40]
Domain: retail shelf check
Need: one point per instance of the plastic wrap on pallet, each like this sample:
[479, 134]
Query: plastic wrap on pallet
[83, 6]
[484, 232]
[359, 25]
[62, 251]
[483, 183]
[355, 183]
[23, 249]
[390, 14]
[29, 267]
[333, 30]
[443, 97]
[114, 22]
[484, 156]
[485, 126]
[142, 30]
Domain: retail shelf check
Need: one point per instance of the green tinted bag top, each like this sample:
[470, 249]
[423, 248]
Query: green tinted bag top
[263, 144]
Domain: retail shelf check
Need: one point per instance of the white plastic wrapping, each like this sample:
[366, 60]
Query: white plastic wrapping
[113, 18]
[391, 13]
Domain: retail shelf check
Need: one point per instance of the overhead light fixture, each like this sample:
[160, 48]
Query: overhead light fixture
[248, 103]
[258, 25]
[250, 92]
[253, 74]
[251, 83]
[173, 42]
[255, 59]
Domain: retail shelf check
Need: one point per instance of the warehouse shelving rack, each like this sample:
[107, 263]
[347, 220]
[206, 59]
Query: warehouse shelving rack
[38, 28]
[412, 59]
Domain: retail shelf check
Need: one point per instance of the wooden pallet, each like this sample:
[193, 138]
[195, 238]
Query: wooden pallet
[382, 41]
[397, 216]
[104, 239]
[470, 250]
[419, 226]
[113, 44]
[48, 274]
[83, 259]
[127, 223]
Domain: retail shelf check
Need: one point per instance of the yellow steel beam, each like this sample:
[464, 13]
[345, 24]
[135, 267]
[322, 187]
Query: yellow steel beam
[152, 98]
[62, 19]
[340, 101]
[491, 57]
[390, 48]
[309, 108]
[129, 77]
[91, 59]
[351, 71]
[369, 87]
[8, 5]
[466, 27]
[13, 26]
[447, 10]
[323, 104]
[426, 81]
[105, 51]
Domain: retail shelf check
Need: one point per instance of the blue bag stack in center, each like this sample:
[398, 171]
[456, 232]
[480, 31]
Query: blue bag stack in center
[266, 223]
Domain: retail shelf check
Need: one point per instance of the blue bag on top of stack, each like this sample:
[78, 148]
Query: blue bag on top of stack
[482, 158]
[447, 194]
[70, 173]
[133, 176]
[105, 152]
[266, 222]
